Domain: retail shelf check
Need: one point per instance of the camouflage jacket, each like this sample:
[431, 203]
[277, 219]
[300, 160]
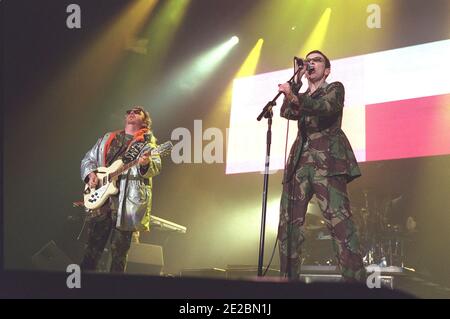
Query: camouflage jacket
[320, 140]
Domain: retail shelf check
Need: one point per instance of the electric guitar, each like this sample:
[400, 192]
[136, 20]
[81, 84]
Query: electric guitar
[94, 198]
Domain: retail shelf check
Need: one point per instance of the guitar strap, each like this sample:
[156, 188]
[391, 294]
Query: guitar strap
[108, 158]
[130, 148]
[133, 152]
[135, 149]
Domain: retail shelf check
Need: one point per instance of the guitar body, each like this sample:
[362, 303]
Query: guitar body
[94, 198]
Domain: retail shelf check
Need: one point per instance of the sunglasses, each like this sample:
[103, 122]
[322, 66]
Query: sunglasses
[135, 111]
[315, 59]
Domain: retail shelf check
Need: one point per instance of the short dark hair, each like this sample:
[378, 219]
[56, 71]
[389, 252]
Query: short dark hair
[327, 61]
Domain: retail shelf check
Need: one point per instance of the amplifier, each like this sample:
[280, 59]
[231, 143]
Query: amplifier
[145, 259]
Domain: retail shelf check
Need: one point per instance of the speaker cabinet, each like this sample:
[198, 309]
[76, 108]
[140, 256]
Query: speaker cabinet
[145, 259]
[51, 257]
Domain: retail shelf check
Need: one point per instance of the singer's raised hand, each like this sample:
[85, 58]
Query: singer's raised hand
[285, 88]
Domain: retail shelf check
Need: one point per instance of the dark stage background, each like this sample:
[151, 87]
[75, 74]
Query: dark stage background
[63, 88]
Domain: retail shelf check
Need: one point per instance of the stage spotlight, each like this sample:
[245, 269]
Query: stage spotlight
[194, 73]
[234, 40]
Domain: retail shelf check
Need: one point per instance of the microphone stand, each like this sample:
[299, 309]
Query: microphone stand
[268, 114]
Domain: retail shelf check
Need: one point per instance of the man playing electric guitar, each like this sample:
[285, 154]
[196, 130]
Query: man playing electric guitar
[128, 211]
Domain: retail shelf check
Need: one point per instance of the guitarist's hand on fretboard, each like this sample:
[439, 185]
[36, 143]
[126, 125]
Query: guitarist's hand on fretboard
[144, 160]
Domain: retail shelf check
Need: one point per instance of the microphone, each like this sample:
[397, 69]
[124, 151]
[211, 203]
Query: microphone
[300, 62]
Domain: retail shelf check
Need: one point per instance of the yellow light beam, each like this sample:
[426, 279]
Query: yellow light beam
[317, 36]
[100, 60]
[251, 61]
[158, 37]
[163, 27]
[85, 78]
[248, 67]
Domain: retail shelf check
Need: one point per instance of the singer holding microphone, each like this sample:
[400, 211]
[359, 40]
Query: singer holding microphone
[321, 162]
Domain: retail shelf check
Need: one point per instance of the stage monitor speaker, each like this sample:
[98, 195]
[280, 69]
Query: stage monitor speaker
[145, 259]
[248, 271]
[51, 257]
[204, 273]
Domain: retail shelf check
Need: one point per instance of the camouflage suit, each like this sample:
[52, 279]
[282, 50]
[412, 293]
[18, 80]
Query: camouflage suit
[321, 162]
[126, 212]
[99, 231]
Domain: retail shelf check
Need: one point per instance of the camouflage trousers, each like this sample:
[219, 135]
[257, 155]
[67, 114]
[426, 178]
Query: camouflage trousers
[98, 233]
[331, 193]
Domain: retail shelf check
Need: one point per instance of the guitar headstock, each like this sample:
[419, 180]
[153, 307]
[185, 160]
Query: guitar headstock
[163, 149]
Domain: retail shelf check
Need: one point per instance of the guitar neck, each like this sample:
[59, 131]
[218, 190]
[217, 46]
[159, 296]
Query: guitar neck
[158, 151]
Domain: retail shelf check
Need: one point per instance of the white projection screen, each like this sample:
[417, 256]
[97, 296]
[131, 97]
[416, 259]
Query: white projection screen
[397, 105]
